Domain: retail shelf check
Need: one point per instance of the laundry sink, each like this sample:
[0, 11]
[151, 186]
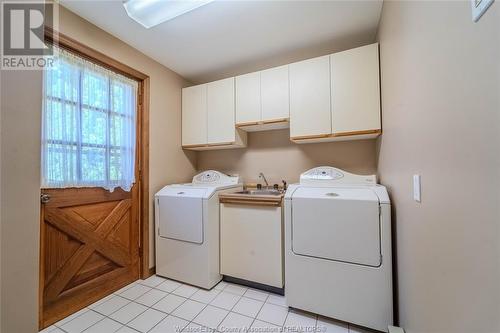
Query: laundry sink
[260, 192]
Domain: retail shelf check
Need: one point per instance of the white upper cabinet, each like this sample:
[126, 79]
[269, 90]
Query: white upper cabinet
[248, 99]
[208, 117]
[194, 115]
[221, 112]
[275, 97]
[355, 90]
[329, 98]
[310, 114]
[262, 100]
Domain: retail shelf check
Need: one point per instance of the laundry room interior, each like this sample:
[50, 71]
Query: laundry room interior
[250, 166]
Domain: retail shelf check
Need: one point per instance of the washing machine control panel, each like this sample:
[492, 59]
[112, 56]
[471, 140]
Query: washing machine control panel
[212, 177]
[325, 176]
[207, 177]
[327, 173]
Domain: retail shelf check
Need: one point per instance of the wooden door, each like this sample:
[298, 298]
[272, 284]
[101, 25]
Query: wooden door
[310, 114]
[89, 247]
[355, 90]
[221, 114]
[194, 115]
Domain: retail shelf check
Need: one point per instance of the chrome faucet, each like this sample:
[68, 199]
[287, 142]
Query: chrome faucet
[261, 175]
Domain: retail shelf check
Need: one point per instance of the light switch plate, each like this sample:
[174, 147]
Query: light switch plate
[479, 7]
[416, 188]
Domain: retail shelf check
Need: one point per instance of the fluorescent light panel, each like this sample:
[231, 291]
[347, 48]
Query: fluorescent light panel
[149, 13]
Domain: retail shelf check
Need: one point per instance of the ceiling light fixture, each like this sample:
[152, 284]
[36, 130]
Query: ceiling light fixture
[149, 13]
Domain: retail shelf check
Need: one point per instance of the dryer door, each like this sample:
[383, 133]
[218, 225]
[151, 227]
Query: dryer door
[181, 214]
[340, 224]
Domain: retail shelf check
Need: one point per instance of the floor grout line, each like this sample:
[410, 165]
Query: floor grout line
[263, 303]
[231, 307]
[104, 317]
[129, 301]
[167, 314]
[55, 324]
[189, 321]
[186, 299]
[192, 321]
[286, 317]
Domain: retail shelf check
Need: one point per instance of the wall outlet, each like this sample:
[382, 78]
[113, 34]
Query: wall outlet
[416, 188]
[479, 7]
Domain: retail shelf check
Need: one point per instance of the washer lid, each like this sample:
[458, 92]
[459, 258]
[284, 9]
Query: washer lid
[339, 224]
[183, 191]
[339, 193]
[186, 191]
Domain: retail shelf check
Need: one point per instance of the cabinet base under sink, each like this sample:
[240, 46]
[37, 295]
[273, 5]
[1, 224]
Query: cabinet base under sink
[251, 239]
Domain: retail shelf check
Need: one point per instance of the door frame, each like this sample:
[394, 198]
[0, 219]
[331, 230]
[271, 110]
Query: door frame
[63, 41]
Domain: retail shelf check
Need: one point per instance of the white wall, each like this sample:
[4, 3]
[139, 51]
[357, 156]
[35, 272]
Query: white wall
[272, 153]
[21, 104]
[441, 119]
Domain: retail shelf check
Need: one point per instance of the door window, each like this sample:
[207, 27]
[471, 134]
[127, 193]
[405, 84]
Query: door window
[88, 126]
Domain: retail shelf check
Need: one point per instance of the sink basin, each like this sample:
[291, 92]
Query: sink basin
[260, 192]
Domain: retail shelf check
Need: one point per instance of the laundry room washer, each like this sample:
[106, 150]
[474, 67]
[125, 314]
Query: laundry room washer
[187, 228]
[338, 259]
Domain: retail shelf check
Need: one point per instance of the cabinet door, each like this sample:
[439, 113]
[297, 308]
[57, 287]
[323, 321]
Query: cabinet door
[310, 114]
[251, 243]
[248, 98]
[275, 93]
[220, 100]
[355, 90]
[194, 115]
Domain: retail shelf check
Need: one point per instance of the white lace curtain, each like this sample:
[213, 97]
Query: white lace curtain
[88, 125]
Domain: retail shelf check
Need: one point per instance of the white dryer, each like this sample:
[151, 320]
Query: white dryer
[187, 228]
[338, 260]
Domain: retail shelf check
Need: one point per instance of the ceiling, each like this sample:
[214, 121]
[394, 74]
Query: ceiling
[226, 38]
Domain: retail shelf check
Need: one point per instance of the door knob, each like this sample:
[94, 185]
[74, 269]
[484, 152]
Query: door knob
[44, 198]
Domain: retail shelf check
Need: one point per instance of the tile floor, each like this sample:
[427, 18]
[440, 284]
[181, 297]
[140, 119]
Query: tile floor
[159, 305]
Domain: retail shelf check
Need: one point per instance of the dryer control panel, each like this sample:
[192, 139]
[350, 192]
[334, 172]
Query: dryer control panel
[327, 176]
[212, 177]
